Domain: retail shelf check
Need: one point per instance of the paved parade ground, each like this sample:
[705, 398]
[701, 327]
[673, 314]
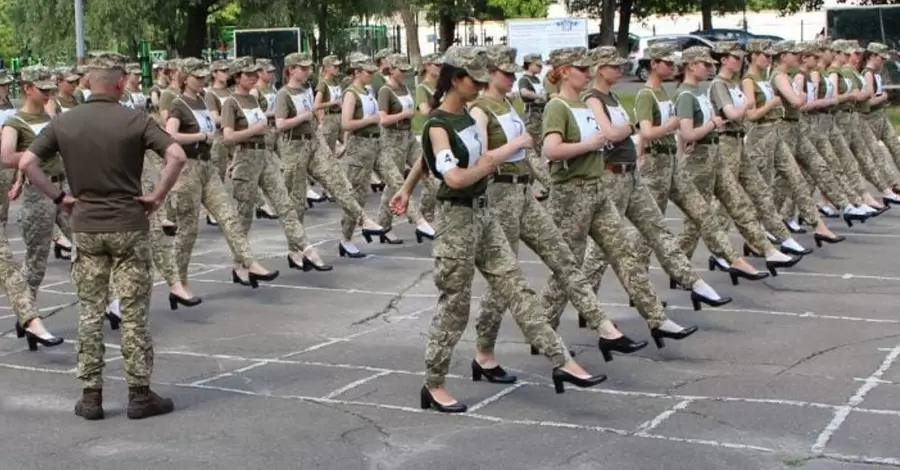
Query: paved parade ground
[323, 370]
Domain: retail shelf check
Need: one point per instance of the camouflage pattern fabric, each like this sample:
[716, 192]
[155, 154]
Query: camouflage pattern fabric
[160, 244]
[364, 156]
[7, 176]
[125, 257]
[256, 169]
[849, 164]
[20, 297]
[469, 238]
[809, 159]
[540, 169]
[881, 155]
[585, 208]
[884, 131]
[199, 184]
[817, 128]
[39, 215]
[400, 148]
[221, 154]
[330, 129]
[848, 123]
[790, 184]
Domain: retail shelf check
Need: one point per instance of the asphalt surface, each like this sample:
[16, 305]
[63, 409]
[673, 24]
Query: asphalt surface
[322, 371]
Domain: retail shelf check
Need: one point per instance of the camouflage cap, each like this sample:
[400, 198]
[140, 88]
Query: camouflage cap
[695, 54]
[195, 67]
[810, 48]
[39, 76]
[266, 64]
[880, 49]
[105, 60]
[473, 60]
[503, 58]
[5, 79]
[219, 65]
[398, 61]
[383, 53]
[133, 68]
[532, 58]
[171, 64]
[434, 58]
[82, 69]
[574, 56]
[606, 56]
[663, 51]
[67, 73]
[825, 44]
[303, 59]
[729, 47]
[332, 60]
[783, 47]
[760, 45]
[845, 46]
[358, 60]
[245, 64]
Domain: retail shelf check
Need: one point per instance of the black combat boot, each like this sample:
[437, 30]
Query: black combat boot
[90, 406]
[143, 403]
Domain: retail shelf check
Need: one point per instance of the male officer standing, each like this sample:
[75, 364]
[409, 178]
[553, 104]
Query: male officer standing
[102, 144]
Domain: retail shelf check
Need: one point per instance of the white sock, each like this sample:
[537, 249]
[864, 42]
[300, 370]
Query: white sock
[670, 327]
[350, 247]
[424, 226]
[793, 225]
[778, 256]
[704, 289]
[827, 209]
[771, 237]
[114, 308]
[310, 194]
[722, 262]
[792, 244]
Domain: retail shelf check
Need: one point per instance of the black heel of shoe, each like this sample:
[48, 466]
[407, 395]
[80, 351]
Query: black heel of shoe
[823, 239]
[560, 377]
[170, 230]
[582, 323]
[659, 336]
[20, 332]
[34, 340]
[383, 239]
[622, 344]
[420, 235]
[210, 221]
[736, 274]
[494, 375]
[427, 401]
[345, 253]
[175, 300]
[307, 265]
[61, 252]
[261, 214]
[698, 299]
[114, 321]
[367, 233]
[712, 264]
[255, 278]
[772, 265]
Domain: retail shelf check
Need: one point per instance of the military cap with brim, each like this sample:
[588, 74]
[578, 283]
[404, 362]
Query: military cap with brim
[39, 76]
[105, 60]
[302, 59]
[5, 79]
[697, 54]
[194, 66]
[360, 61]
[219, 65]
[763, 46]
[606, 56]
[245, 64]
[880, 49]
[473, 60]
[571, 56]
[503, 58]
[399, 62]
[433, 58]
[68, 74]
[266, 65]
[133, 68]
[332, 60]
[786, 47]
[810, 48]
[532, 58]
[383, 53]
[732, 48]
[662, 51]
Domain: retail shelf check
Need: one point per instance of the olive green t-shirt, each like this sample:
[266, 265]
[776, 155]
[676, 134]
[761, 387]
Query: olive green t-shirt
[687, 106]
[28, 126]
[378, 81]
[647, 105]
[759, 97]
[389, 102]
[623, 151]
[841, 87]
[65, 103]
[360, 94]
[214, 99]
[324, 87]
[862, 106]
[183, 109]
[266, 96]
[166, 98]
[720, 96]
[791, 113]
[877, 78]
[496, 138]
[453, 124]
[558, 119]
[528, 82]
[235, 110]
[424, 92]
[286, 107]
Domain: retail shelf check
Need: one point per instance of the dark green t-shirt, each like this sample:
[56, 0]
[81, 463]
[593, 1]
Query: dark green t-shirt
[466, 147]
[623, 151]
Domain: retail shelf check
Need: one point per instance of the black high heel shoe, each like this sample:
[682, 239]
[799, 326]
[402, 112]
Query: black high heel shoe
[560, 377]
[714, 265]
[750, 252]
[795, 230]
[384, 239]
[310, 203]
[170, 230]
[495, 375]
[307, 265]
[697, 299]
[345, 253]
[175, 300]
[377, 187]
[33, 339]
[622, 344]
[420, 235]
[237, 279]
[773, 265]
[826, 214]
[736, 274]
[255, 278]
[261, 214]
[114, 320]
[849, 218]
[369, 233]
[428, 401]
[659, 336]
[823, 239]
[210, 221]
[792, 252]
[62, 252]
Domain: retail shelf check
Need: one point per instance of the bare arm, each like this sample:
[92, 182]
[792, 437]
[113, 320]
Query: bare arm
[786, 89]
[503, 152]
[446, 163]
[172, 126]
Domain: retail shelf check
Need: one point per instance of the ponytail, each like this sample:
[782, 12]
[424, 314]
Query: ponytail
[445, 80]
[554, 76]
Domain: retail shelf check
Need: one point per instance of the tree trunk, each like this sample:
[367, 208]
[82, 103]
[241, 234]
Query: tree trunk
[607, 22]
[195, 30]
[625, 9]
[411, 27]
[321, 49]
[447, 31]
[706, 14]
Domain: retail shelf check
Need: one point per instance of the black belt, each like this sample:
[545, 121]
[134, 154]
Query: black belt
[619, 168]
[253, 145]
[479, 202]
[373, 135]
[512, 179]
[302, 136]
[738, 134]
[660, 147]
[336, 111]
[791, 119]
[708, 141]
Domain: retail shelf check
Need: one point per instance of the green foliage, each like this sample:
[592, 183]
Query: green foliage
[522, 8]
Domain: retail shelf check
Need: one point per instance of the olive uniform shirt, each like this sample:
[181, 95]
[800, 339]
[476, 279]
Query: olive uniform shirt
[390, 104]
[22, 122]
[559, 120]
[233, 114]
[183, 109]
[285, 108]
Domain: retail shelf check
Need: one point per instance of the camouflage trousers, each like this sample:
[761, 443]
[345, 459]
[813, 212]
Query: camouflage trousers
[540, 169]
[158, 163]
[199, 184]
[753, 183]
[39, 215]
[330, 129]
[522, 217]
[259, 169]
[849, 125]
[364, 155]
[221, 154]
[635, 202]
[817, 172]
[160, 244]
[881, 151]
[818, 127]
[718, 185]
[883, 130]
[19, 295]
[7, 176]
[301, 159]
[125, 257]
[469, 238]
[586, 208]
[847, 162]
[666, 177]
[401, 149]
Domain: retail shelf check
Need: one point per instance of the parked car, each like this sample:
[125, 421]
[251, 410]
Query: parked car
[891, 76]
[739, 35]
[639, 64]
[769, 37]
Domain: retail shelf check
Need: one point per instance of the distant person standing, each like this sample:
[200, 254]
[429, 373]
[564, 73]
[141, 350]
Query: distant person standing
[110, 223]
[534, 95]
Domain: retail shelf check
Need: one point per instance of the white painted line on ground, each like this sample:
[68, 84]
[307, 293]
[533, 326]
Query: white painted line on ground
[863, 459]
[495, 397]
[352, 385]
[34, 369]
[42, 309]
[841, 413]
[230, 374]
[646, 427]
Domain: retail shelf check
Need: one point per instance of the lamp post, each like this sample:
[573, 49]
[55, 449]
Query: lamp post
[79, 31]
